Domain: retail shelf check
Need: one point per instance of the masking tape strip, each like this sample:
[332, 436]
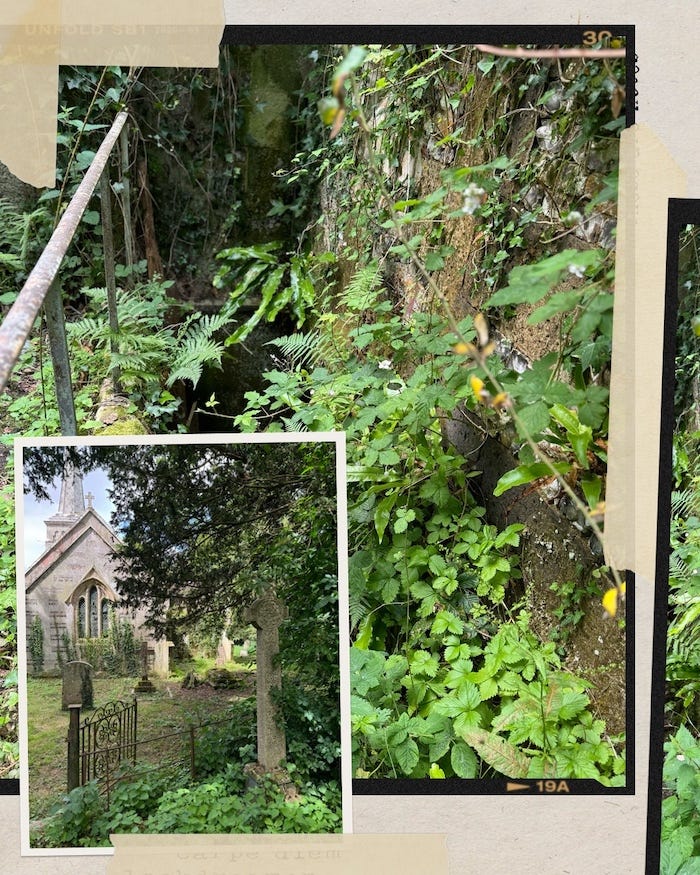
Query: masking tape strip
[648, 176]
[277, 854]
[125, 32]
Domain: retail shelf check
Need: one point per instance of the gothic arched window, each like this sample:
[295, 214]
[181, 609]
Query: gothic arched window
[104, 618]
[81, 617]
[93, 630]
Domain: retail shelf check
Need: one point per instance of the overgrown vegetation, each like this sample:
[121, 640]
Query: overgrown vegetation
[455, 205]
[448, 677]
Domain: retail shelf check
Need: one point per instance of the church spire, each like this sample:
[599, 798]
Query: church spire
[71, 505]
[71, 502]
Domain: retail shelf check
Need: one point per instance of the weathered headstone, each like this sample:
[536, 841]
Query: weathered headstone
[144, 685]
[77, 685]
[266, 614]
[223, 651]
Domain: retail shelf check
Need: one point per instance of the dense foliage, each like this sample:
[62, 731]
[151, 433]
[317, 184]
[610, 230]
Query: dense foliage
[447, 676]
[680, 835]
[424, 205]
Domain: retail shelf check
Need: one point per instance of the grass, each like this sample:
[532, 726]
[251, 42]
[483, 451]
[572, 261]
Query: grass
[169, 709]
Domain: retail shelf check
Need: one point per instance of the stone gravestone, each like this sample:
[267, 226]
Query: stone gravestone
[266, 614]
[223, 651]
[77, 685]
[144, 685]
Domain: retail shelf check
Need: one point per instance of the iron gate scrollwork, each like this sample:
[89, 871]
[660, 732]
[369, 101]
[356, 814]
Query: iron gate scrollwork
[107, 738]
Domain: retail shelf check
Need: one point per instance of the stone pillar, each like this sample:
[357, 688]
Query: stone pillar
[161, 660]
[266, 614]
[144, 685]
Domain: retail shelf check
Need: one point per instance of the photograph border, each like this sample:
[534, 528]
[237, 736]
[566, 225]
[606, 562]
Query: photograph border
[336, 438]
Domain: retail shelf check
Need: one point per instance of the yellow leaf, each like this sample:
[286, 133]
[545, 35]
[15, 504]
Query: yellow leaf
[436, 771]
[462, 348]
[611, 598]
[328, 108]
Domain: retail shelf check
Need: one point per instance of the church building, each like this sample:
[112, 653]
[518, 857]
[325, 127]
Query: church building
[72, 588]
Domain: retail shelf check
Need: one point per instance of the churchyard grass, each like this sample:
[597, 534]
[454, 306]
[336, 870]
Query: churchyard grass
[169, 709]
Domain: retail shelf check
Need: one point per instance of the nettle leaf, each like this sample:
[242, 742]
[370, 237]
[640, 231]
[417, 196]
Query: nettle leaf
[466, 698]
[446, 621]
[424, 663]
[533, 419]
[366, 667]
[406, 755]
[463, 760]
[502, 756]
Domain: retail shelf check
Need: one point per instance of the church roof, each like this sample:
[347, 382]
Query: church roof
[89, 521]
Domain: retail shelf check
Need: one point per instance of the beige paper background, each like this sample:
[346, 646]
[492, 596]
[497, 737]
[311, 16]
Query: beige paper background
[525, 834]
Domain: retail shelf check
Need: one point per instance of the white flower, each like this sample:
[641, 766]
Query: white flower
[572, 218]
[473, 198]
[576, 270]
[385, 365]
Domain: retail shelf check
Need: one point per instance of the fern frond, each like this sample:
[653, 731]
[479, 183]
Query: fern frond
[679, 571]
[359, 608]
[303, 350]
[685, 503]
[361, 292]
[197, 351]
